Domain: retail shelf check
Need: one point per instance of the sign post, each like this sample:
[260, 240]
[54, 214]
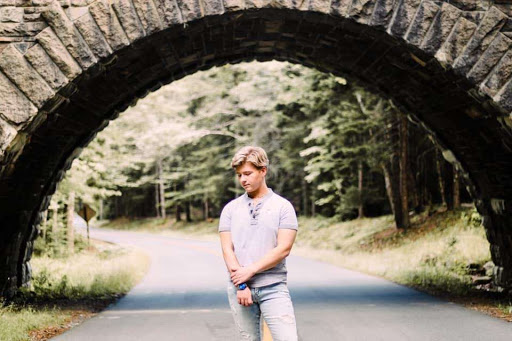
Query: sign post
[87, 213]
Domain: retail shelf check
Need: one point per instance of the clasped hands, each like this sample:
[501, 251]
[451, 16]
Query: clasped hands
[240, 275]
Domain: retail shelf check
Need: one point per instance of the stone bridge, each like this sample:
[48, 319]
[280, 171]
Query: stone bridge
[68, 67]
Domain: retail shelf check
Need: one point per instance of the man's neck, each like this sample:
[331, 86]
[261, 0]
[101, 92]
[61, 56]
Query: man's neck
[260, 193]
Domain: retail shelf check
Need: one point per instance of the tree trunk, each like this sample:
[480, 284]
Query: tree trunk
[413, 191]
[206, 208]
[403, 171]
[448, 181]
[44, 226]
[305, 205]
[157, 200]
[70, 218]
[394, 190]
[456, 188]
[440, 177]
[178, 212]
[100, 213]
[187, 212]
[360, 189]
[313, 199]
[55, 220]
[389, 187]
[162, 190]
[116, 206]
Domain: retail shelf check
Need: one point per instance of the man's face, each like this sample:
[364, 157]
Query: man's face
[250, 177]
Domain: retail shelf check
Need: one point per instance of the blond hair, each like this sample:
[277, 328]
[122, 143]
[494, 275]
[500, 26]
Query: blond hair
[255, 155]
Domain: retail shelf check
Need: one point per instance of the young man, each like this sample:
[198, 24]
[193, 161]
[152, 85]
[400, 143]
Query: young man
[257, 231]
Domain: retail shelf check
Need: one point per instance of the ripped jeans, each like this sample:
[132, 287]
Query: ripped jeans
[274, 303]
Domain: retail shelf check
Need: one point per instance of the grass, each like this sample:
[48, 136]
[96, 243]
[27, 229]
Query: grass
[433, 254]
[66, 288]
[17, 322]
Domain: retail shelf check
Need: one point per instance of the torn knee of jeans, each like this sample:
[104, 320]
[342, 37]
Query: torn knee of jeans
[245, 335]
[287, 318]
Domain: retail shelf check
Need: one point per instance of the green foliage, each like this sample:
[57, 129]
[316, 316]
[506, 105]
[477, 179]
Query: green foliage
[173, 149]
[471, 218]
[16, 322]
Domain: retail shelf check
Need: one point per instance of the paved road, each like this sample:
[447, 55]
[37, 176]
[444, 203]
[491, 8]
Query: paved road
[183, 297]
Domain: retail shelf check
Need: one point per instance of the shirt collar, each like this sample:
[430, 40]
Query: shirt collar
[262, 199]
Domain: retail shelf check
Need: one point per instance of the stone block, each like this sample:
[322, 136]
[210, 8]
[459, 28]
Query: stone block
[20, 72]
[74, 13]
[212, 7]
[361, 10]
[58, 52]
[421, 22]
[45, 66]
[490, 58]
[474, 16]
[30, 17]
[442, 25]
[454, 44]
[148, 15]
[382, 13]
[81, 3]
[320, 6]
[340, 7]
[191, 9]
[7, 134]
[169, 12]
[69, 35]
[129, 19]
[234, 5]
[15, 107]
[504, 96]
[11, 14]
[93, 36]
[21, 29]
[498, 76]
[108, 23]
[254, 4]
[481, 39]
[41, 2]
[403, 16]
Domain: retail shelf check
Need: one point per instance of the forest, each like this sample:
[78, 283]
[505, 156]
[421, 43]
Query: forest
[335, 149]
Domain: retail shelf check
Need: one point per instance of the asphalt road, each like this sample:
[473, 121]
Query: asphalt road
[183, 297]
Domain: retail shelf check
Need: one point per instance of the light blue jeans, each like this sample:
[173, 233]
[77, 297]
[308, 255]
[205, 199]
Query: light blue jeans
[274, 304]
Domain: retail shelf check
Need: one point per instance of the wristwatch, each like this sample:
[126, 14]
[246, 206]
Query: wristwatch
[242, 286]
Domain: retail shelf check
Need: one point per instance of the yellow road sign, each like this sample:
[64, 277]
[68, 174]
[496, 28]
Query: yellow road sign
[87, 212]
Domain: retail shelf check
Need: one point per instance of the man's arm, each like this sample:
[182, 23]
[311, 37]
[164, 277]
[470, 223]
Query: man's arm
[228, 251]
[244, 297]
[285, 239]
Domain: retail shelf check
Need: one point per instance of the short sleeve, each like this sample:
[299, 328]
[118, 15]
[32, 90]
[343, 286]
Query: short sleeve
[225, 218]
[287, 217]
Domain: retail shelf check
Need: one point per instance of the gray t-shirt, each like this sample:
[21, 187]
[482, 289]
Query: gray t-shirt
[254, 231]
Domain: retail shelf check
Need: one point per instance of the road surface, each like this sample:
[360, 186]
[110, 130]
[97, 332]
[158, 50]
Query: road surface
[183, 297]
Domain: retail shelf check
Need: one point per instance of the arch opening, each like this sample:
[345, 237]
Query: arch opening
[466, 123]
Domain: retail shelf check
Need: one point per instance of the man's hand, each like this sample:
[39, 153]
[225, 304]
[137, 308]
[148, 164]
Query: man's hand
[233, 268]
[244, 297]
[242, 274]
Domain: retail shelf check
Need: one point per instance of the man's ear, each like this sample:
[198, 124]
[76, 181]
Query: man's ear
[264, 170]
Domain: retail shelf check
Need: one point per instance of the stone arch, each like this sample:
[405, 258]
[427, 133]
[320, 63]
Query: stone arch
[448, 64]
